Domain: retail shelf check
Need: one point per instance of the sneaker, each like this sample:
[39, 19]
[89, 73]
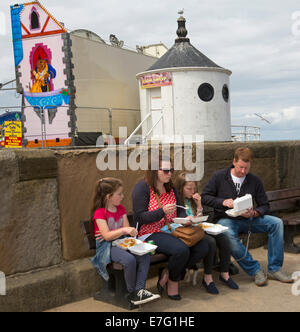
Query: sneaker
[260, 278]
[281, 276]
[142, 296]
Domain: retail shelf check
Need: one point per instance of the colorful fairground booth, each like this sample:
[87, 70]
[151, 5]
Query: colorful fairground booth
[56, 69]
[40, 48]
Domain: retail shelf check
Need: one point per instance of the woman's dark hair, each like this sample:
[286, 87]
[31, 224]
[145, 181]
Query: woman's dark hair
[104, 187]
[152, 176]
[180, 182]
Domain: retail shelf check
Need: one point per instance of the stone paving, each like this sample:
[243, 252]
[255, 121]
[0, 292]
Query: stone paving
[275, 296]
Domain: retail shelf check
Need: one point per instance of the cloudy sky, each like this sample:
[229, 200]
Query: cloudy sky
[259, 41]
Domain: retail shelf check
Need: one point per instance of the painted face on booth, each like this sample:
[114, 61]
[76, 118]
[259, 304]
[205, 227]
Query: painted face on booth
[241, 168]
[117, 197]
[41, 64]
[165, 171]
[189, 189]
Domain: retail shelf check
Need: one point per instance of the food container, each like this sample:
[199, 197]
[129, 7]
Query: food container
[243, 203]
[213, 229]
[232, 213]
[142, 248]
[126, 243]
[135, 246]
[181, 221]
[197, 220]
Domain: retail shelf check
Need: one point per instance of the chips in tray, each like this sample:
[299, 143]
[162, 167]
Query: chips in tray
[127, 243]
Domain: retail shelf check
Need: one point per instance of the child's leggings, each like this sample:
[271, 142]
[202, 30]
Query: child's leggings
[135, 268]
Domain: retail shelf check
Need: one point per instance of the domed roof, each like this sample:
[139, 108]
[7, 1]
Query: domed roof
[183, 53]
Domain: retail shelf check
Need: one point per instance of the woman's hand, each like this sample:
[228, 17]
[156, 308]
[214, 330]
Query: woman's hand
[169, 208]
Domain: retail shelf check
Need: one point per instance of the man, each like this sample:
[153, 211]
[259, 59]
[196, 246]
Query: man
[221, 190]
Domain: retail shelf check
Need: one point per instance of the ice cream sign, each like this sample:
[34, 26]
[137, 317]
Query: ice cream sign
[156, 80]
[13, 134]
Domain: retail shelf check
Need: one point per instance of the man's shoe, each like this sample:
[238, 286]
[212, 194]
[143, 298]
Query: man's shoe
[143, 296]
[281, 276]
[292, 248]
[260, 278]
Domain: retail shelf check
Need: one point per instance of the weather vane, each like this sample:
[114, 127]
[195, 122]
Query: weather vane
[181, 12]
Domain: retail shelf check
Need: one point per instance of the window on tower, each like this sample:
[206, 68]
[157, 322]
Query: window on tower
[34, 20]
[206, 92]
[225, 93]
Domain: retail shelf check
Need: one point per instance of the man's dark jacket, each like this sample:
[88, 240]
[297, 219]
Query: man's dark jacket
[221, 187]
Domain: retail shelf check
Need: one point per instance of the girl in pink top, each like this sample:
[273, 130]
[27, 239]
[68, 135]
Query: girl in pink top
[110, 222]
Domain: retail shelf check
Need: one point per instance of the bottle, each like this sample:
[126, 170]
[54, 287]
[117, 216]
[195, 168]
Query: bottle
[152, 252]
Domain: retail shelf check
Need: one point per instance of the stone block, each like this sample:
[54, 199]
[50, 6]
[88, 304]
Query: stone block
[52, 287]
[30, 225]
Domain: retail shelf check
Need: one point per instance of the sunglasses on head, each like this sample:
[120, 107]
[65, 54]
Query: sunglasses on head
[167, 171]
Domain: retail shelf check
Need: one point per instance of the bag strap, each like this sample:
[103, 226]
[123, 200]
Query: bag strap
[166, 219]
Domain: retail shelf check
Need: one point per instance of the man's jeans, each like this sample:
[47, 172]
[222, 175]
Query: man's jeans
[267, 224]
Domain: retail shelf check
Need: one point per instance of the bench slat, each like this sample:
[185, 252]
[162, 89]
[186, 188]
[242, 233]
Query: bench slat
[292, 219]
[284, 204]
[283, 194]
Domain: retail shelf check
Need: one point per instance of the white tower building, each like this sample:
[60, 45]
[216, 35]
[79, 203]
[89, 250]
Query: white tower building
[188, 92]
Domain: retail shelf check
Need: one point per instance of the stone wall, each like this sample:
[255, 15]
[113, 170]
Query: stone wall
[30, 236]
[46, 193]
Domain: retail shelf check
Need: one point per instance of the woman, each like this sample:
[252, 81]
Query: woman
[155, 198]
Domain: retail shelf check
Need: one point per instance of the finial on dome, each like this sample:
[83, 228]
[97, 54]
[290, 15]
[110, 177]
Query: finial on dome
[181, 31]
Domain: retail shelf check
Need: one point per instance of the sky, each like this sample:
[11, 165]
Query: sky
[259, 41]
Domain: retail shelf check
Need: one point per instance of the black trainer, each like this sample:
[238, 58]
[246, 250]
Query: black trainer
[142, 296]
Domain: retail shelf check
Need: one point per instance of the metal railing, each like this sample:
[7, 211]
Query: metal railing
[239, 133]
[136, 129]
[42, 109]
[245, 134]
[155, 124]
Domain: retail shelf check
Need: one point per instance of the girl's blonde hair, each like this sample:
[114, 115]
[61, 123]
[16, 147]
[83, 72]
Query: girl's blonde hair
[105, 188]
[180, 182]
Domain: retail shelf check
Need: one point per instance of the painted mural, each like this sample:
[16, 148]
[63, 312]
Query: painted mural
[40, 60]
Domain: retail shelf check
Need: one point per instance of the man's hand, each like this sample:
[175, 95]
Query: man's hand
[249, 214]
[228, 203]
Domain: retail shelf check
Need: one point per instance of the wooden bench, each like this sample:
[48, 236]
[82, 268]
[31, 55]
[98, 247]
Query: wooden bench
[285, 204]
[114, 290]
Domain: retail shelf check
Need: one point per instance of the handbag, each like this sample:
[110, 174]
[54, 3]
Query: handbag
[190, 235]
